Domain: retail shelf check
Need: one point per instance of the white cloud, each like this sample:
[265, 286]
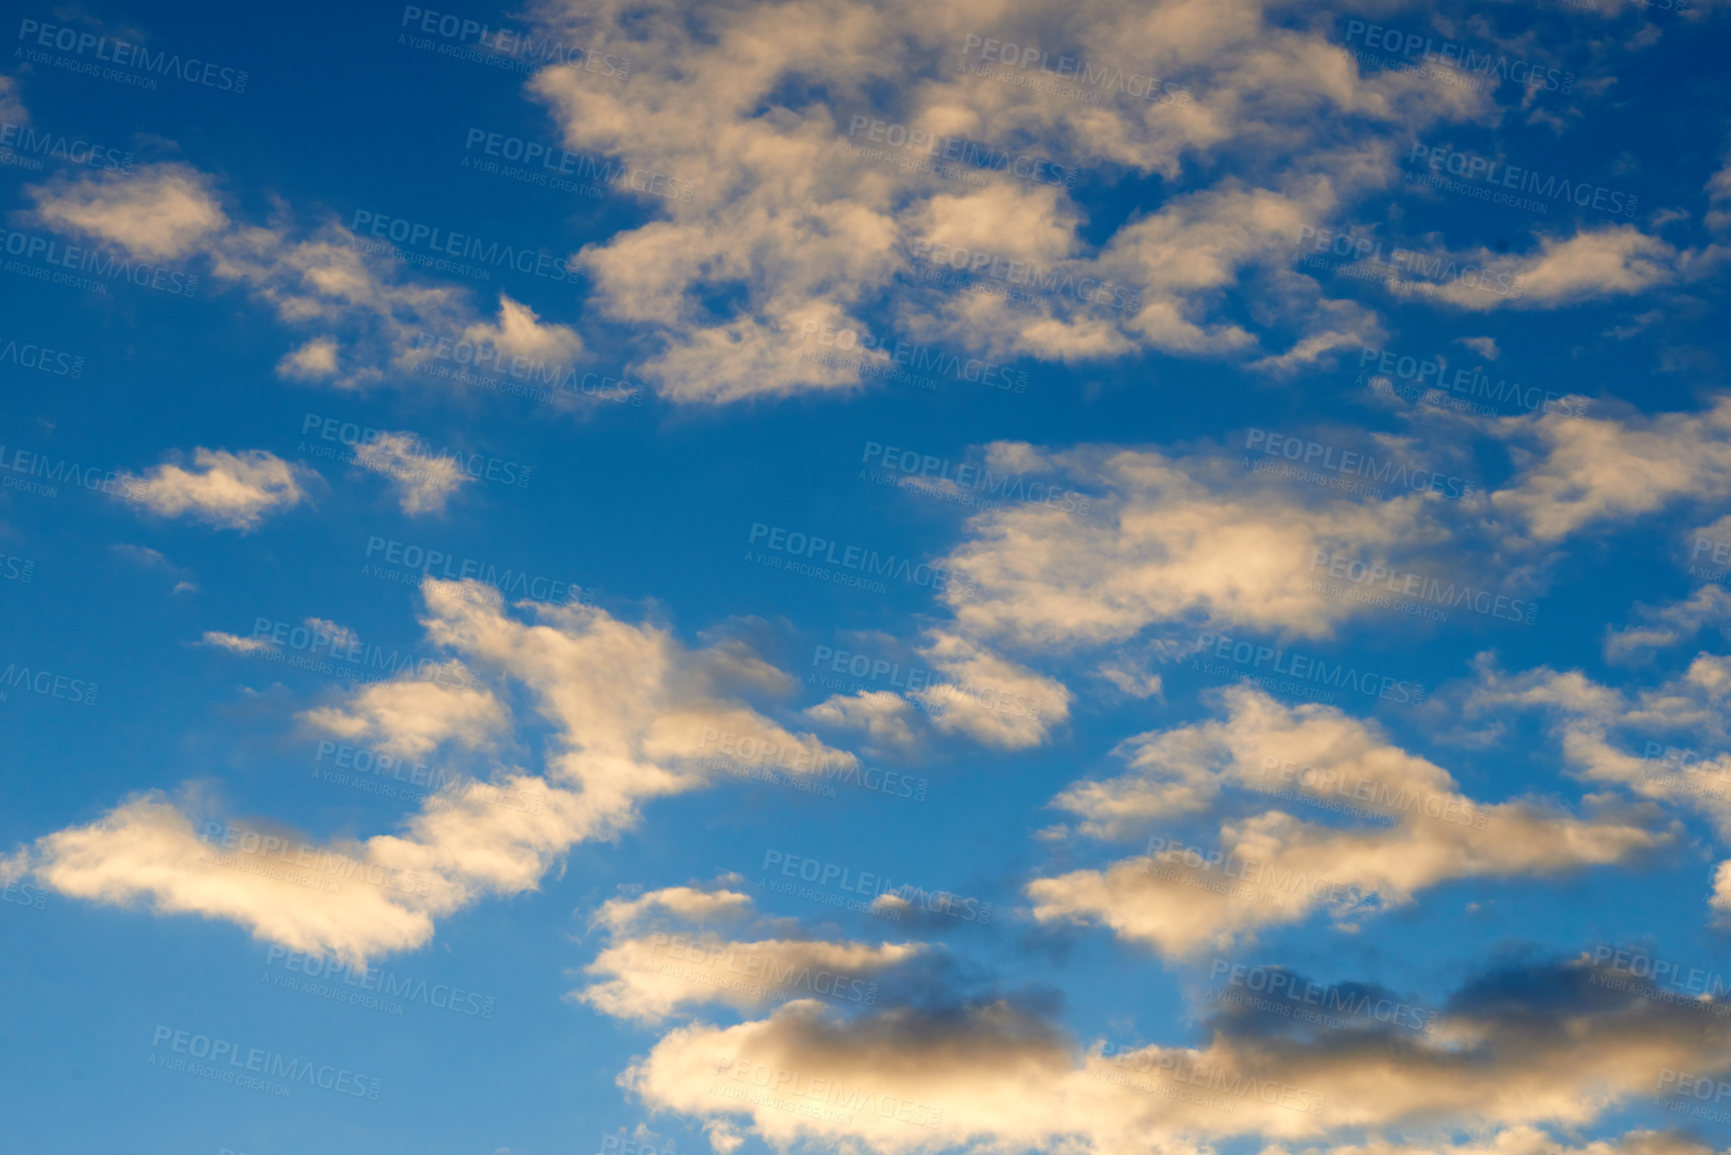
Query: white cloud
[654, 967]
[635, 715]
[1274, 867]
[424, 483]
[162, 212]
[414, 716]
[234, 643]
[232, 490]
[882, 715]
[1538, 1045]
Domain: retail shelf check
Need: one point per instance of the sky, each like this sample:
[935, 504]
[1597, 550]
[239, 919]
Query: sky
[661, 578]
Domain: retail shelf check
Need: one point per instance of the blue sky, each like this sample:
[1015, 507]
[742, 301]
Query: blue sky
[661, 578]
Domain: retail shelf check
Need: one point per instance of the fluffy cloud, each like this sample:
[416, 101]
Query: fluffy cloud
[233, 490]
[1575, 473]
[635, 716]
[424, 483]
[1272, 867]
[1544, 1044]
[807, 213]
[373, 318]
[1192, 539]
[655, 966]
[162, 212]
[412, 716]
